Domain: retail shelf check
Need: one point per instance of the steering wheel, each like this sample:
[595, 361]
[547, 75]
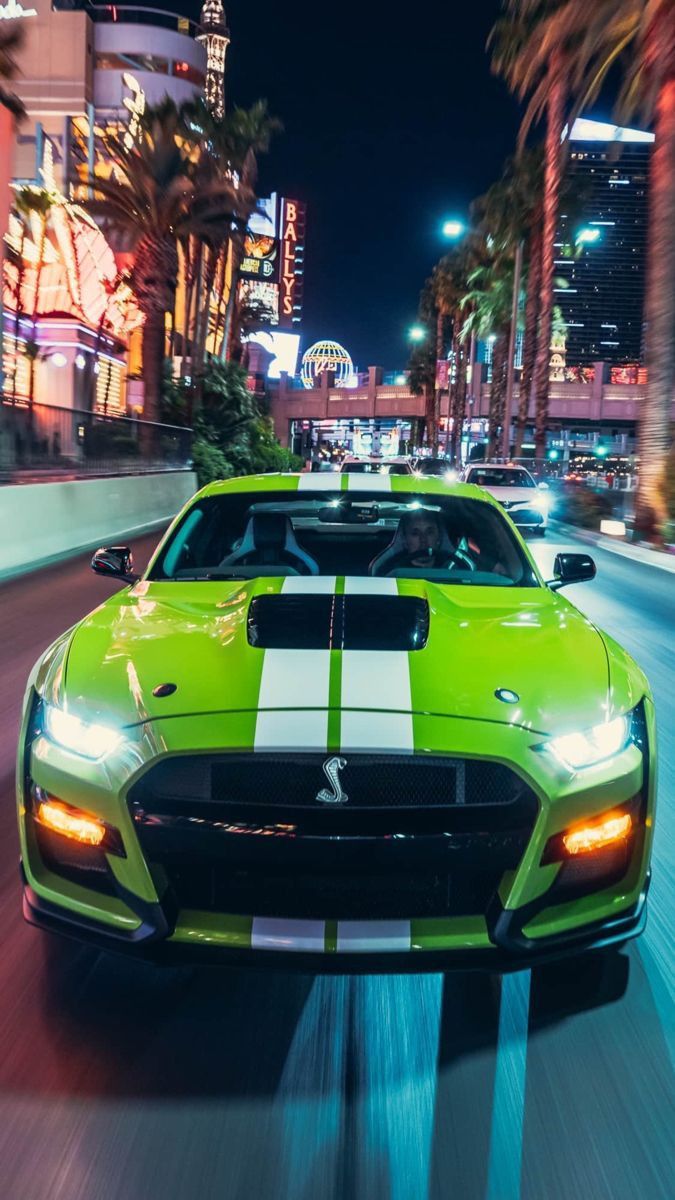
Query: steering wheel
[455, 558]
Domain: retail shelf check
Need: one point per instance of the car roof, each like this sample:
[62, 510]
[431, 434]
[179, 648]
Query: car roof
[432, 485]
[497, 467]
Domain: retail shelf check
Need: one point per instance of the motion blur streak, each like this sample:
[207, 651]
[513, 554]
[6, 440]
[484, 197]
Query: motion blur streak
[312, 1090]
[358, 1089]
[396, 1034]
[508, 1105]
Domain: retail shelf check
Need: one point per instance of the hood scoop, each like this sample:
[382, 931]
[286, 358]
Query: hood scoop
[338, 622]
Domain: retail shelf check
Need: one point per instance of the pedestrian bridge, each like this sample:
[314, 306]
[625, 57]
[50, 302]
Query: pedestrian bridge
[594, 405]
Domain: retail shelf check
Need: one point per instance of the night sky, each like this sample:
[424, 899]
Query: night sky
[390, 124]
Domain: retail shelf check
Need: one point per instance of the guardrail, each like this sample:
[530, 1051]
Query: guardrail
[47, 440]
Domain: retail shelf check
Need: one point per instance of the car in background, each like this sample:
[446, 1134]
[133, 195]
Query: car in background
[374, 464]
[441, 467]
[526, 502]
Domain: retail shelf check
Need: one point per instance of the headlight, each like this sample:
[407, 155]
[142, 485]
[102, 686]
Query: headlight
[541, 503]
[578, 750]
[80, 737]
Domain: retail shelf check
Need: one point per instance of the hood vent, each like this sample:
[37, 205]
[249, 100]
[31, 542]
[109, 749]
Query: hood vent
[338, 623]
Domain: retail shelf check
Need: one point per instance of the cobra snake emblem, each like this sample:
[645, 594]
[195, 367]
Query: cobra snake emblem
[331, 769]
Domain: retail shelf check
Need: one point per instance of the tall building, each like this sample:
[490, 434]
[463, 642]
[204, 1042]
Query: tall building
[216, 38]
[602, 249]
[86, 65]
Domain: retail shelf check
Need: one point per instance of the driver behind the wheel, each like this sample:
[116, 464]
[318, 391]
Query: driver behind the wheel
[424, 542]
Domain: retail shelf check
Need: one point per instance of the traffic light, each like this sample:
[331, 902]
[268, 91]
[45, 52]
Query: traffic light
[553, 455]
[601, 451]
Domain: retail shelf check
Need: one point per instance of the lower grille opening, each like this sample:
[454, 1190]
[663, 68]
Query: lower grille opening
[585, 874]
[84, 865]
[460, 892]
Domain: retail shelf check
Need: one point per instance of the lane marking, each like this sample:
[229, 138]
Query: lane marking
[508, 1103]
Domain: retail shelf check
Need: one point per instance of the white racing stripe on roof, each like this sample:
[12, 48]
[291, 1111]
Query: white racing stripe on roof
[368, 586]
[369, 937]
[376, 680]
[274, 933]
[319, 481]
[359, 482]
[293, 680]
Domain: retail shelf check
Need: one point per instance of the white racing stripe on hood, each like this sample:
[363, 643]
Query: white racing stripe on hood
[274, 933]
[369, 586]
[312, 585]
[369, 937]
[375, 680]
[294, 680]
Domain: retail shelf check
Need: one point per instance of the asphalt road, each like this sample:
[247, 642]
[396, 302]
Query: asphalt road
[122, 1082]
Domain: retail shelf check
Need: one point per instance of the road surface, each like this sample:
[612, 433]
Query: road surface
[121, 1082]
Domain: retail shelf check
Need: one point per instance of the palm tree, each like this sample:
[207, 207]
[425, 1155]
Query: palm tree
[638, 36]
[489, 301]
[511, 215]
[11, 110]
[155, 196]
[34, 204]
[537, 67]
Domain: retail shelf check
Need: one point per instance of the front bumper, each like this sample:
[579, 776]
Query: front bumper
[520, 926]
[510, 951]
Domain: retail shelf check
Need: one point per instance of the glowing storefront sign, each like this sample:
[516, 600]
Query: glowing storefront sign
[12, 11]
[293, 218]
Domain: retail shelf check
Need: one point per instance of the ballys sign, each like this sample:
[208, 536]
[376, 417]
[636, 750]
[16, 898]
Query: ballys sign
[293, 222]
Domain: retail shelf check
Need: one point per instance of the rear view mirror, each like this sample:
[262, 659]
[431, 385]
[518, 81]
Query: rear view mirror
[572, 568]
[114, 561]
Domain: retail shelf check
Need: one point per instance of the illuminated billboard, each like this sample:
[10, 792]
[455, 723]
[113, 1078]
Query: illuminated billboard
[261, 257]
[285, 347]
[256, 293]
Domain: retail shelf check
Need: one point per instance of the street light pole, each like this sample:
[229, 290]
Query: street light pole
[511, 364]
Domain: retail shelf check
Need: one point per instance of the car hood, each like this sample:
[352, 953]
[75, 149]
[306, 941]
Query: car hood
[195, 638]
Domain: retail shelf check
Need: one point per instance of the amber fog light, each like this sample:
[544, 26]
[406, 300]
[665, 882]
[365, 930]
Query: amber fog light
[74, 824]
[611, 830]
[616, 827]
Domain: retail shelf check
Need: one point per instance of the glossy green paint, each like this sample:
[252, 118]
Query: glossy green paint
[568, 675]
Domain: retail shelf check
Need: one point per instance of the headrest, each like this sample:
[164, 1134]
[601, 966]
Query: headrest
[270, 530]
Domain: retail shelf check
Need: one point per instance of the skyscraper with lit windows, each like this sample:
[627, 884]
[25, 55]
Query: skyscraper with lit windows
[602, 249]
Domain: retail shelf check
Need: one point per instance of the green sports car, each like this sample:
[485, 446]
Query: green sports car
[340, 721]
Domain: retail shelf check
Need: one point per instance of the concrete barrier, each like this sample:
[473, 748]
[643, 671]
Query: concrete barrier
[41, 523]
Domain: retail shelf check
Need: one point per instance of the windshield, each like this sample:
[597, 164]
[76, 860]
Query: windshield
[505, 478]
[375, 468]
[433, 466]
[448, 540]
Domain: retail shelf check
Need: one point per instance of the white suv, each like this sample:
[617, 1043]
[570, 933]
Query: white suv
[372, 465]
[526, 503]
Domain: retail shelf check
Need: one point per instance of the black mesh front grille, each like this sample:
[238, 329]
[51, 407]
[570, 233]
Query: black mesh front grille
[293, 781]
[417, 836]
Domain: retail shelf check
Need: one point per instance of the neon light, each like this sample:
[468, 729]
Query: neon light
[585, 130]
[323, 357]
[12, 11]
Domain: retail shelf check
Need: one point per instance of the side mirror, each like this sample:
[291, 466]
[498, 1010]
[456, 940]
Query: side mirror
[116, 562]
[572, 568]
